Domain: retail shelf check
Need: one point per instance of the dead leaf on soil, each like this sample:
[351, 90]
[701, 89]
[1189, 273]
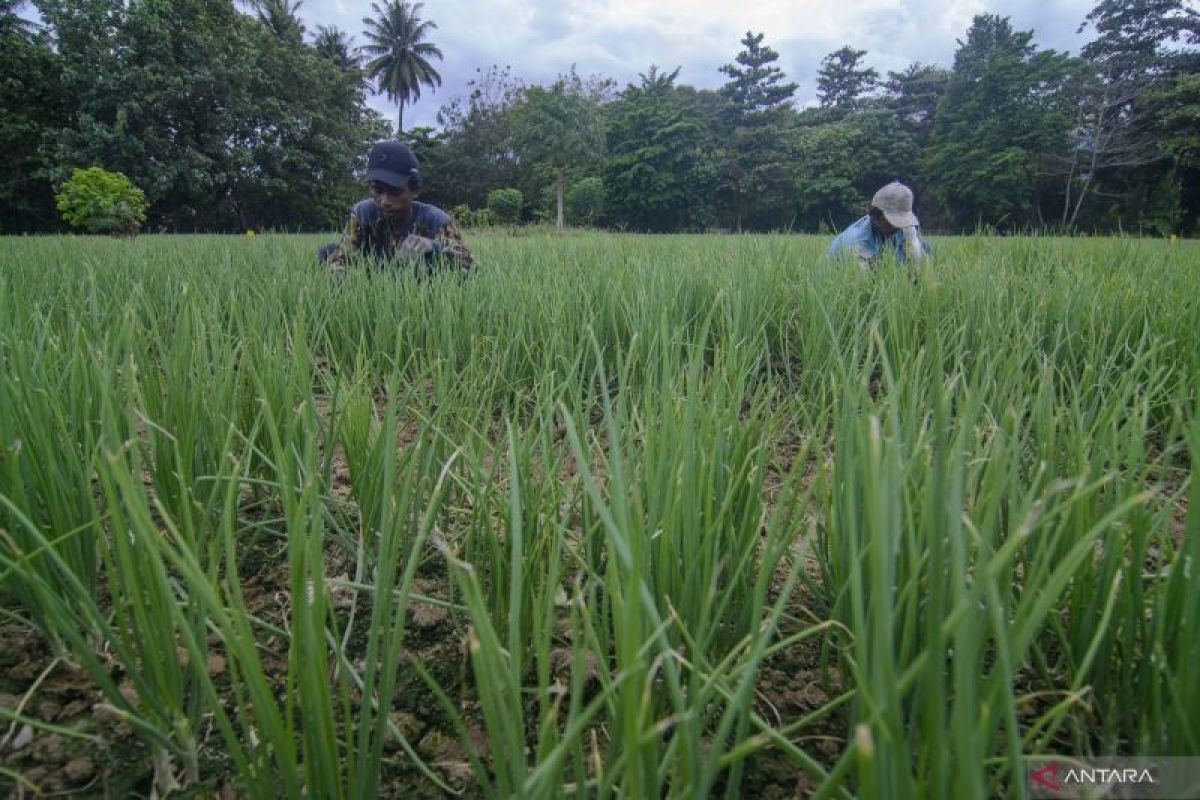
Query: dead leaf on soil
[216, 664]
[426, 615]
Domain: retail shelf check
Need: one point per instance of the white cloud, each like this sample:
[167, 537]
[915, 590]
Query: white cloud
[542, 38]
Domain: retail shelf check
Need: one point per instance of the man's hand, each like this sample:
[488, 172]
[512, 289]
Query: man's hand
[914, 251]
[416, 246]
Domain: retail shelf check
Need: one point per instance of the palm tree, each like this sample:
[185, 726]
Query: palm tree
[281, 17]
[399, 53]
[334, 45]
[11, 21]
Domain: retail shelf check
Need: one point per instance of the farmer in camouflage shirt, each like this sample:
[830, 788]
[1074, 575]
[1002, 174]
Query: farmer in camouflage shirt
[391, 226]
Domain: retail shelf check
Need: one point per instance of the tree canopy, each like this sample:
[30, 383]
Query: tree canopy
[843, 81]
[998, 117]
[233, 115]
[559, 129]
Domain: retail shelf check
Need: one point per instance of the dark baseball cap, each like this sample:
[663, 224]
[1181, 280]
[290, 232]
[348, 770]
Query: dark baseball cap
[392, 163]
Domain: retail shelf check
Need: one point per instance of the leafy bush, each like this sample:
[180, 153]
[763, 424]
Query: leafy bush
[100, 201]
[585, 201]
[466, 217]
[505, 205]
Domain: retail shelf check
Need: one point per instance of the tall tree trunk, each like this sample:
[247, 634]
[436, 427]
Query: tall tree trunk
[237, 209]
[1067, 195]
[559, 223]
[1091, 176]
[1071, 174]
[1087, 184]
[400, 120]
[1097, 143]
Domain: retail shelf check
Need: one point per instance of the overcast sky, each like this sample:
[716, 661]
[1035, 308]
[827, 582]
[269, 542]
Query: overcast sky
[542, 38]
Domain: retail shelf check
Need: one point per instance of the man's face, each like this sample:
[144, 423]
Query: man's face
[393, 202]
[880, 224]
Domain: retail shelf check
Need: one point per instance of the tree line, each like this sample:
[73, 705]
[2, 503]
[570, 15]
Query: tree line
[231, 118]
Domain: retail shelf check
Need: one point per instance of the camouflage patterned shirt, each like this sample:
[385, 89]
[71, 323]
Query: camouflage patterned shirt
[369, 233]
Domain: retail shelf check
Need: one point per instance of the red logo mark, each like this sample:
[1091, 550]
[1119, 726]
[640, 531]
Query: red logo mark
[1046, 777]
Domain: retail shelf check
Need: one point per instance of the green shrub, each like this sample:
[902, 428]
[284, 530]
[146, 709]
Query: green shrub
[505, 205]
[466, 217]
[585, 201]
[100, 201]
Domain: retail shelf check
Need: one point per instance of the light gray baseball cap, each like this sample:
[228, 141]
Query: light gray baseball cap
[895, 201]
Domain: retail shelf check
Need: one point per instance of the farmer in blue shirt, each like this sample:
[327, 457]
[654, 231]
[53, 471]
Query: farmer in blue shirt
[889, 226]
[391, 226]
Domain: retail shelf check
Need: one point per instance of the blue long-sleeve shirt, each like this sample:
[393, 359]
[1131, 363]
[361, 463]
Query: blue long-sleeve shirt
[867, 245]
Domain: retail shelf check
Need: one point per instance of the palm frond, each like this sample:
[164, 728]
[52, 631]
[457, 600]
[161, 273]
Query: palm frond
[396, 42]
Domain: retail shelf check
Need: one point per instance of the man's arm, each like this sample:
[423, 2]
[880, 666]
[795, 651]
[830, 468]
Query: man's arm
[856, 240]
[845, 246]
[450, 245]
[348, 244]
